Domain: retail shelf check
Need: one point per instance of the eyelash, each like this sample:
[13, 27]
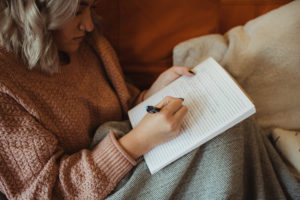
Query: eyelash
[79, 12]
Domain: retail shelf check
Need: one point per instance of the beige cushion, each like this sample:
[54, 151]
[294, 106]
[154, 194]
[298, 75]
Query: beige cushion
[264, 57]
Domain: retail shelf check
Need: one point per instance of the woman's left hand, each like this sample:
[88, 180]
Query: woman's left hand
[167, 77]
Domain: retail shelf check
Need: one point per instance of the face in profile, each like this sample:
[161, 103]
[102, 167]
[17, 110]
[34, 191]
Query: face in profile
[70, 35]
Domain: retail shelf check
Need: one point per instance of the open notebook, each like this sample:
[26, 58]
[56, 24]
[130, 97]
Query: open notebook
[215, 102]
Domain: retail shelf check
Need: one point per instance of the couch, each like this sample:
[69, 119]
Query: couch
[145, 32]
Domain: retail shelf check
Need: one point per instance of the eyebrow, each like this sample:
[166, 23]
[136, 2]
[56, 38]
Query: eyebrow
[82, 3]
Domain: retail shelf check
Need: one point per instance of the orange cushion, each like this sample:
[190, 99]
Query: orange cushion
[145, 32]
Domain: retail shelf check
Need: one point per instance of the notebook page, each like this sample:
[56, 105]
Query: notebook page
[215, 102]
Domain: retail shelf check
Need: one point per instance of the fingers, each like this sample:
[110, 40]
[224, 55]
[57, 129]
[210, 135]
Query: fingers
[174, 112]
[182, 70]
[171, 115]
[164, 102]
[170, 105]
[179, 115]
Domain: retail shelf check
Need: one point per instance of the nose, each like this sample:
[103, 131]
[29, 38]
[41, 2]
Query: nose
[88, 22]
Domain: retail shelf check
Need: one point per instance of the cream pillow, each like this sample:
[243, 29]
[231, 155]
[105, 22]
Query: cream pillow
[264, 57]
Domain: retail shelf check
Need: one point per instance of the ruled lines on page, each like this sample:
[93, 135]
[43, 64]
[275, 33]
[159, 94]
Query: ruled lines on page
[215, 103]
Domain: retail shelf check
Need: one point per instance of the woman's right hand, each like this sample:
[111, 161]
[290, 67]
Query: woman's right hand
[155, 129]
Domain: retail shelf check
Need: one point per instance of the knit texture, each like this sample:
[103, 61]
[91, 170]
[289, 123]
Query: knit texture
[47, 121]
[239, 164]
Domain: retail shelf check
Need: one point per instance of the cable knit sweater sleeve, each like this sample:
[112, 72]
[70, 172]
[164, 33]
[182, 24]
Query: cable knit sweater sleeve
[33, 166]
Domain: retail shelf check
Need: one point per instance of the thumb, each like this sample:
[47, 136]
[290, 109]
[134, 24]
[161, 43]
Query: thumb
[164, 102]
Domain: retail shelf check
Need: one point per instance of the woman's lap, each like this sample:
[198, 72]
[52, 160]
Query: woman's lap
[239, 164]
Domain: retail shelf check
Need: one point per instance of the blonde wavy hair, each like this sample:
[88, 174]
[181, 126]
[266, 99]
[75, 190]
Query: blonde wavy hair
[26, 29]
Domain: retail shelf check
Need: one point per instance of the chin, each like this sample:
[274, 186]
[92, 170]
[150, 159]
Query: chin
[72, 49]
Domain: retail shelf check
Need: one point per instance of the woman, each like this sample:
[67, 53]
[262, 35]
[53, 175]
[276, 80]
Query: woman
[58, 94]
[60, 80]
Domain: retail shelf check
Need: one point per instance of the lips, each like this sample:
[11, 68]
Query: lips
[78, 38]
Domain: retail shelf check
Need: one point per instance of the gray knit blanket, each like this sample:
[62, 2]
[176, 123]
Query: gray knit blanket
[241, 163]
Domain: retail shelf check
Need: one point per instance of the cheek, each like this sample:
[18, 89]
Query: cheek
[63, 38]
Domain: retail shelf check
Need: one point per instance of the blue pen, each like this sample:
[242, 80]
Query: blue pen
[152, 109]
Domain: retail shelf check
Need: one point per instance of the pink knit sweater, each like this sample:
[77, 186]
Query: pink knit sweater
[46, 124]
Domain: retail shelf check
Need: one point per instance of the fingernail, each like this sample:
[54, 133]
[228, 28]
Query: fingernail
[192, 72]
[182, 99]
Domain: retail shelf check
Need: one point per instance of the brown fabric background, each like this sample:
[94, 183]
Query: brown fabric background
[144, 32]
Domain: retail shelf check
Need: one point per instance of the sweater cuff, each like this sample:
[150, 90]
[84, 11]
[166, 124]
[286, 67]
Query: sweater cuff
[112, 159]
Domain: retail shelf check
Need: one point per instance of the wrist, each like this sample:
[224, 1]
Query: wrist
[133, 146]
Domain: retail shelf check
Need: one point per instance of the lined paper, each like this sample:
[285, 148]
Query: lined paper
[215, 103]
